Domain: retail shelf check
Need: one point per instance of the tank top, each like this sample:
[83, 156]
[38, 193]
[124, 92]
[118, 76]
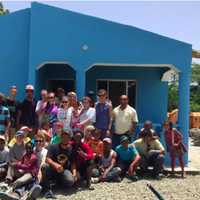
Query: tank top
[102, 116]
[107, 161]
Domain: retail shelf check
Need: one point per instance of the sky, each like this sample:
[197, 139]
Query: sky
[179, 20]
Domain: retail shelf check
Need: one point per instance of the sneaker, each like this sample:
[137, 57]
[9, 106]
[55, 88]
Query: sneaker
[117, 179]
[34, 193]
[9, 196]
[134, 178]
[49, 195]
[94, 180]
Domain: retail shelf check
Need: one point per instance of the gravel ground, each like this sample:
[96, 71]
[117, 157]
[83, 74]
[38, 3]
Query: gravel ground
[169, 188]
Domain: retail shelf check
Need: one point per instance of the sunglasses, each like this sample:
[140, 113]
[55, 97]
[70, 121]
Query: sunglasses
[101, 95]
[65, 101]
[39, 141]
[50, 97]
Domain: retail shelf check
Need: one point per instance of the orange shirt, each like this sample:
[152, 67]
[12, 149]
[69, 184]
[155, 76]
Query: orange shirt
[97, 146]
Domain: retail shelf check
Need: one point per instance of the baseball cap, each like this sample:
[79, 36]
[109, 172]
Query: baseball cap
[108, 140]
[2, 137]
[29, 87]
[25, 128]
[19, 133]
[68, 132]
[123, 138]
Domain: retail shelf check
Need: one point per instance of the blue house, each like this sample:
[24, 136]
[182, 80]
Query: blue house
[50, 47]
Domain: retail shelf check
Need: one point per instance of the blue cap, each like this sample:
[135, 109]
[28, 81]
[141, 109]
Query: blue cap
[19, 133]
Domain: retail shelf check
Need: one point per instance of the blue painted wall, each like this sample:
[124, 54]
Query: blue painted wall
[151, 93]
[14, 50]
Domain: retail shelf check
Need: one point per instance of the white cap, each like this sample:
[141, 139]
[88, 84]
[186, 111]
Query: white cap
[29, 87]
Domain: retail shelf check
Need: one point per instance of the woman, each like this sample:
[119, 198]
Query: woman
[87, 115]
[64, 114]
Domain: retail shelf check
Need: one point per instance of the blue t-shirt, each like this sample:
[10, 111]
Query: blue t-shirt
[128, 154]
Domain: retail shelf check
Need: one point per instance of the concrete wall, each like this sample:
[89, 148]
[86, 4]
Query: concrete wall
[14, 50]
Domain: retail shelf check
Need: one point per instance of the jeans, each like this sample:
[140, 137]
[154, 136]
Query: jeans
[155, 160]
[111, 176]
[49, 174]
[23, 180]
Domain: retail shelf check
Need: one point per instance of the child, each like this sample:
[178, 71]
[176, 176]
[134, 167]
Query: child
[57, 133]
[47, 131]
[96, 145]
[88, 132]
[175, 146]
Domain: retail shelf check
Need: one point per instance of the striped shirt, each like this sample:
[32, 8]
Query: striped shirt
[4, 118]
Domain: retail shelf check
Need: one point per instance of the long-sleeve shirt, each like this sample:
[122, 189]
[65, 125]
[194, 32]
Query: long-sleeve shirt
[86, 149]
[29, 164]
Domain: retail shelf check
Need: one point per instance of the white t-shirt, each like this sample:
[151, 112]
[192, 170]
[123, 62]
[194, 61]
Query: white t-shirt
[124, 119]
[88, 114]
[41, 155]
[65, 115]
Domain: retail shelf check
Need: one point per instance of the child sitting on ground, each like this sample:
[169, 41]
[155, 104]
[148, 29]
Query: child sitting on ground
[58, 127]
[88, 132]
[175, 147]
[96, 145]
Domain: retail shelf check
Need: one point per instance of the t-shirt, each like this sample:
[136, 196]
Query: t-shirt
[16, 152]
[4, 118]
[96, 145]
[28, 116]
[4, 155]
[143, 148]
[88, 114]
[62, 156]
[41, 155]
[13, 141]
[65, 115]
[126, 154]
[13, 106]
[56, 139]
[124, 119]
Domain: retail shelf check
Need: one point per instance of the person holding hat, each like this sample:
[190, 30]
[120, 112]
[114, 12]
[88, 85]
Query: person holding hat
[83, 155]
[152, 153]
[60, 165]
[4, 153]
[4, 118]
[108, 171]
[26, 114]
[15, 154]
[128, 158]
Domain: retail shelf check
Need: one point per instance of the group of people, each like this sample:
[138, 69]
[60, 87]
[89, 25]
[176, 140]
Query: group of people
[59, 141]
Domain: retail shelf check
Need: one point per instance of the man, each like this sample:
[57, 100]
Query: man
[40, 107]
[26, 114]
[4, 118]
[16, 153]
[59, 165]
[4, 153]
[128, 158]
[124, 119]
[103, 114]
[151, 152]
[147, 127]
[12, 104]
[108, 171]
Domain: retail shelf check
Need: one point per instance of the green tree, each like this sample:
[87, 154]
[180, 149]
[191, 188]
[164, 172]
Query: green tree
[3, 11]
[195, 73]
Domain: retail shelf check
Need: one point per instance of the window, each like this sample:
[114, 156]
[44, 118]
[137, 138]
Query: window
[116, 88]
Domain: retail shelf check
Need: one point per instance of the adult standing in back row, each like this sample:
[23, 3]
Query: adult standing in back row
[125, 119]
[103, 114]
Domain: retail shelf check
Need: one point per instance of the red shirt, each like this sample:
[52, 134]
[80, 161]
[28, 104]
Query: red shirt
[86, 149]
[29, 164]
[172, 137]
